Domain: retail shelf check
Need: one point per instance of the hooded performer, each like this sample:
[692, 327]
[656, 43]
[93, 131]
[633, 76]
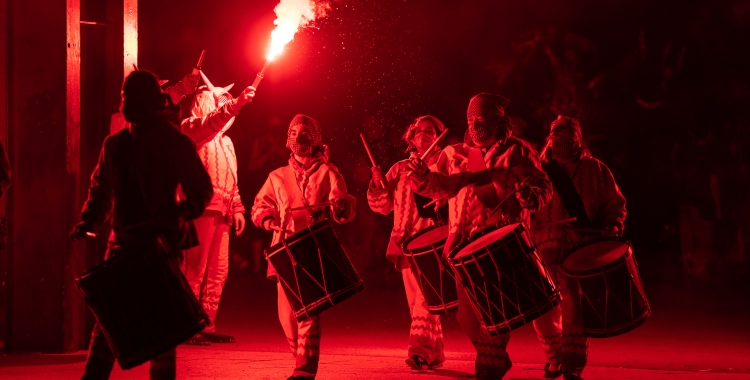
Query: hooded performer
[135, 184]
[176, 92]
[475, 176]
[206, 266]
[308, 180]
[566, 159]
[426, 338]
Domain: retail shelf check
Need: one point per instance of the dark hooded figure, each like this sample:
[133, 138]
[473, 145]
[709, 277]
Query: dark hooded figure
[135, 184]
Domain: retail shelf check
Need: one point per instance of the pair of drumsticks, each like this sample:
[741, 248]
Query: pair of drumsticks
[426, 154]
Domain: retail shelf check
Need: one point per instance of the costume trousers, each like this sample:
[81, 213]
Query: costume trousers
[426, 336]
[303, 337]
[492, 360]
[206, 266]
[696, 241]
[101, 360]
[559, 332]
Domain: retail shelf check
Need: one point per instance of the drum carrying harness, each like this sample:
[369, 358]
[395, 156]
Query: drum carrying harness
[569, 195]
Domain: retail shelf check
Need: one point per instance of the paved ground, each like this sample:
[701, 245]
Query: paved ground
[693, 334]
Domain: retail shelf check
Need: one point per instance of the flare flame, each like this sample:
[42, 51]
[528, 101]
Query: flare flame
[291, 15]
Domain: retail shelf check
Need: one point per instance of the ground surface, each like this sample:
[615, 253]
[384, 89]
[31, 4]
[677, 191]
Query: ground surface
[692, 334]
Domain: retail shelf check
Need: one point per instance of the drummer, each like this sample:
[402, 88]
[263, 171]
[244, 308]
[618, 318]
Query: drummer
[309, 178]
[135, 182]
[600, 205]
[426, 338]
[475, 175]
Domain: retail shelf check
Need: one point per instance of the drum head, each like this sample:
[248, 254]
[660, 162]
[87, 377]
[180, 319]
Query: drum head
[431, 235]
[595, 255]
[486, 239]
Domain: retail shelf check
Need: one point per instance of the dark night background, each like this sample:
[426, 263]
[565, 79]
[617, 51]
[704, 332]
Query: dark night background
[641, 76]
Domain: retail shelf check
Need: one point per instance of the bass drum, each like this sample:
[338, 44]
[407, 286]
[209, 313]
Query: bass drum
[314, 270]
[603, 279]
[424, 252]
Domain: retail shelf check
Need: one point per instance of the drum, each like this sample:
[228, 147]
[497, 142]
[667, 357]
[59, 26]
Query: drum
[424, 252]
[603, 279]
[142, 302]
[507, 284]
[314, 270]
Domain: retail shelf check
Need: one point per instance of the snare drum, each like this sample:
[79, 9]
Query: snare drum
[603, 279]
[314, 270]
[142, 302]
[507, 284]
[424, 252]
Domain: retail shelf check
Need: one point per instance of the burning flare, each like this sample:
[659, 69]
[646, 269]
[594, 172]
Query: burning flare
[290, 16]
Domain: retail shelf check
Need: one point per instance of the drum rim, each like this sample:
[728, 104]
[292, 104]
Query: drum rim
[299, 235]
[426, 248]
[614, 263]
[484, 231]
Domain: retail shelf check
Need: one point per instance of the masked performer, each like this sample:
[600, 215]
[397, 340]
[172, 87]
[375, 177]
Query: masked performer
[206, 266]
[585, 189]
[475, 175]
[426, 338]
[308, 180]
[136, 182]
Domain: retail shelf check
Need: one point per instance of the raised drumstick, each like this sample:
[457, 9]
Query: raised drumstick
[372, 159]
[561, 221]
[433, 202]
[311, 206]
[432, 147]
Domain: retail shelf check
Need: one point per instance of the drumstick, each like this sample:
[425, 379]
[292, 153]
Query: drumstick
[494, 210]
[312, 206]
[431, 148]
[588, 230]
[372, 159]
[433, 202]
[562, 221]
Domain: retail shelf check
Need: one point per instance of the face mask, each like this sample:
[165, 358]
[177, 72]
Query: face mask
[423, 140]
[301, 145]
[482, 132]
[565, 149]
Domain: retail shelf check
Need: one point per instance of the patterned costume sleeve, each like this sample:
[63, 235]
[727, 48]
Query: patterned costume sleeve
[203, 129]
[439, 183]
[194, 181]
[236, 206]
[338, 191]
[381, 200]
[612, 210]
[98, 206]
[265, 205]
[541, 187]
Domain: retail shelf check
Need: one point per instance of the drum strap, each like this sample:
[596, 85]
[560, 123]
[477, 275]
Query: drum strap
[569, 195]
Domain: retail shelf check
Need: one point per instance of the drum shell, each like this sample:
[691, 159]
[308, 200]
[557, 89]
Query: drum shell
[435, 277]
[143, 304]
[314, 270]
[610, 299]
[505, 280]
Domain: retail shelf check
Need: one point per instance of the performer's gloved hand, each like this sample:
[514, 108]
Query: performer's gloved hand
[270, 224]
[524, 194]
[238, 221]
[338, 206]
[246, 96]
[418, 167]
[377, 178]
[190, 82]
[80, 231]
[611, 231]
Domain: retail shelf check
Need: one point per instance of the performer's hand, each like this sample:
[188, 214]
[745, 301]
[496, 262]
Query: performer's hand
[80, 231]
[611, 231]
[338, 206]
[523, 193]
[190, 82]
[246, 96]
[418, 167]
[377, 178]
[239, 223]
[269, 224]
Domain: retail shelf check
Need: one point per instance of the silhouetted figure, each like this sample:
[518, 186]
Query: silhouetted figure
[135, 185]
